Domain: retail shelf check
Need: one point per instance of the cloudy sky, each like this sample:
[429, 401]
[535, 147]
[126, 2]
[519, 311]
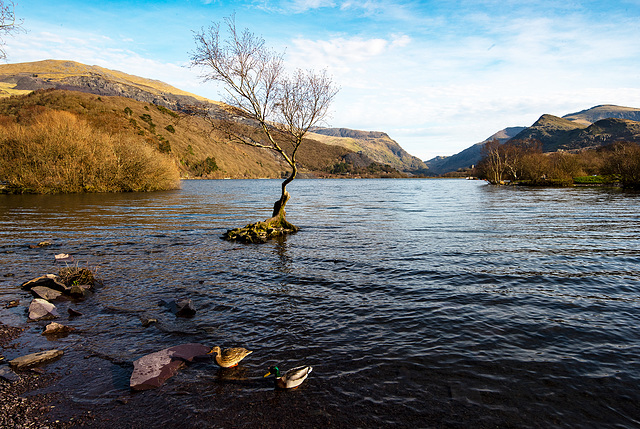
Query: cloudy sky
[437, 76]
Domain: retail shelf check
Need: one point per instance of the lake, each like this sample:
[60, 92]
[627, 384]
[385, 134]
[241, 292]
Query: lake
[419, 303]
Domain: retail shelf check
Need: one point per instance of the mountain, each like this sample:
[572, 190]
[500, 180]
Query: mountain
[553, 132]
[376, 145]
[597, 126]
[575, 131]
[469, 156]
[23, 78]
[604, 111]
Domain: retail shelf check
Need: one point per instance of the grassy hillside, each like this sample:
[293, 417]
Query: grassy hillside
[198, 151]
[194, 147]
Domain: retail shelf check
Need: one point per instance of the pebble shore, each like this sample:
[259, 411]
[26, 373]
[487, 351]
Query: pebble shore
[18, 408]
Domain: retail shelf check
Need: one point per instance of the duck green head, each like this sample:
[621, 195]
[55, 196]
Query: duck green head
[273, 370]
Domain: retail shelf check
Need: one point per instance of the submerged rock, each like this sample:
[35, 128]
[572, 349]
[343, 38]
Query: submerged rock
[73, 313]
[80, 291]
[23, 362]
[63, 257]
[146, 322]
[180, 307]
[40, 244]
[8, 375]
[40, 309]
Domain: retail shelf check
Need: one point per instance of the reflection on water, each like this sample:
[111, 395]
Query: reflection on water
[443, 303]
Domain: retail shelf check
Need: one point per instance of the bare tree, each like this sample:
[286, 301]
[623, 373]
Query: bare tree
[492, 164]
[8, 24]
[281, 107]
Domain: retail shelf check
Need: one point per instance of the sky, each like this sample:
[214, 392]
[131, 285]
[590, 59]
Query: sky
[436, 76]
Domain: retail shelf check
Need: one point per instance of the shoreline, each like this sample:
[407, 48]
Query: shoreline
[19, 408]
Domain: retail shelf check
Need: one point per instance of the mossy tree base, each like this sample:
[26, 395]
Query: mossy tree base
[261, 232]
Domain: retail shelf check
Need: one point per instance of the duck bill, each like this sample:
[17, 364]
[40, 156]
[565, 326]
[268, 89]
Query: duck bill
[267, 375]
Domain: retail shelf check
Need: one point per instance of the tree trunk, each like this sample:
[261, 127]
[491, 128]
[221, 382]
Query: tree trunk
[279, 213]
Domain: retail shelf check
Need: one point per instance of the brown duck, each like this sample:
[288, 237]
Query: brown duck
[230, 357]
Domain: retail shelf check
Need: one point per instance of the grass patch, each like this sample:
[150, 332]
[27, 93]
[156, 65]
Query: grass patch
[594, 180]
[76, 275]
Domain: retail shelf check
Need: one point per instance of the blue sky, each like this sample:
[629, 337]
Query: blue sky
[437, 76]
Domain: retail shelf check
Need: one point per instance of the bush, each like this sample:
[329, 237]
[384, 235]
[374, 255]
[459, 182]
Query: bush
[56, 152]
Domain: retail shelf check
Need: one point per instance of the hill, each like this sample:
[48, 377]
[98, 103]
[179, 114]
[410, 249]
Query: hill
[553, 132]
[316, 157]
[376, 145]
[22, 78]
[604, 111]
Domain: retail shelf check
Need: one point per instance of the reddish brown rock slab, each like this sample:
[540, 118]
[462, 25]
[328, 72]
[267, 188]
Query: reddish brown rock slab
[152, 370]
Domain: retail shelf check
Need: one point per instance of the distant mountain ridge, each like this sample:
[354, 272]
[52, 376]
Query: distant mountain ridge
[604, 111]
[469, 156]
[597, 126]
[376, 145]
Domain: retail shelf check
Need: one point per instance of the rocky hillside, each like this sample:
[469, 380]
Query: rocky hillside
[23, 78]
[376, 145]
[317, 157]
[604, 111]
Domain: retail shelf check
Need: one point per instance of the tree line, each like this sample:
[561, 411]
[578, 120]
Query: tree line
[523, 162]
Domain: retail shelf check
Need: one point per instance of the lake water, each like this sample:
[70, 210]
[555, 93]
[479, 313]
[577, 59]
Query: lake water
[419, 303]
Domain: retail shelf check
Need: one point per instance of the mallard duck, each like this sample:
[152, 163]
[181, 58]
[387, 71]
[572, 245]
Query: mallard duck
[292, 378]
[230, 357]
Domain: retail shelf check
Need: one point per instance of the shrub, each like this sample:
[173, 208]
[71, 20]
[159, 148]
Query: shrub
[57, 152]
[167, 111]
[170, 129]
[164, 146]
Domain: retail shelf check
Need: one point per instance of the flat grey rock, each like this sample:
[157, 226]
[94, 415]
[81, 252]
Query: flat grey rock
[33, 359]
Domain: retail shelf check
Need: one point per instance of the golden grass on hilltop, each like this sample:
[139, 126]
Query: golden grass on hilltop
[57, 70]
[56, 151]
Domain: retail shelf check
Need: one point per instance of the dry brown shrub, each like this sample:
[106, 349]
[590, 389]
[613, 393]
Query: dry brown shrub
[59, 152]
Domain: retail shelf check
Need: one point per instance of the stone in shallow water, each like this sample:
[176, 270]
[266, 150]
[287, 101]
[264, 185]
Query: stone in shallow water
[39, 309]
[49, 280]
[26, 361]
[181, 307]
[55, 328]
[45, 293]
